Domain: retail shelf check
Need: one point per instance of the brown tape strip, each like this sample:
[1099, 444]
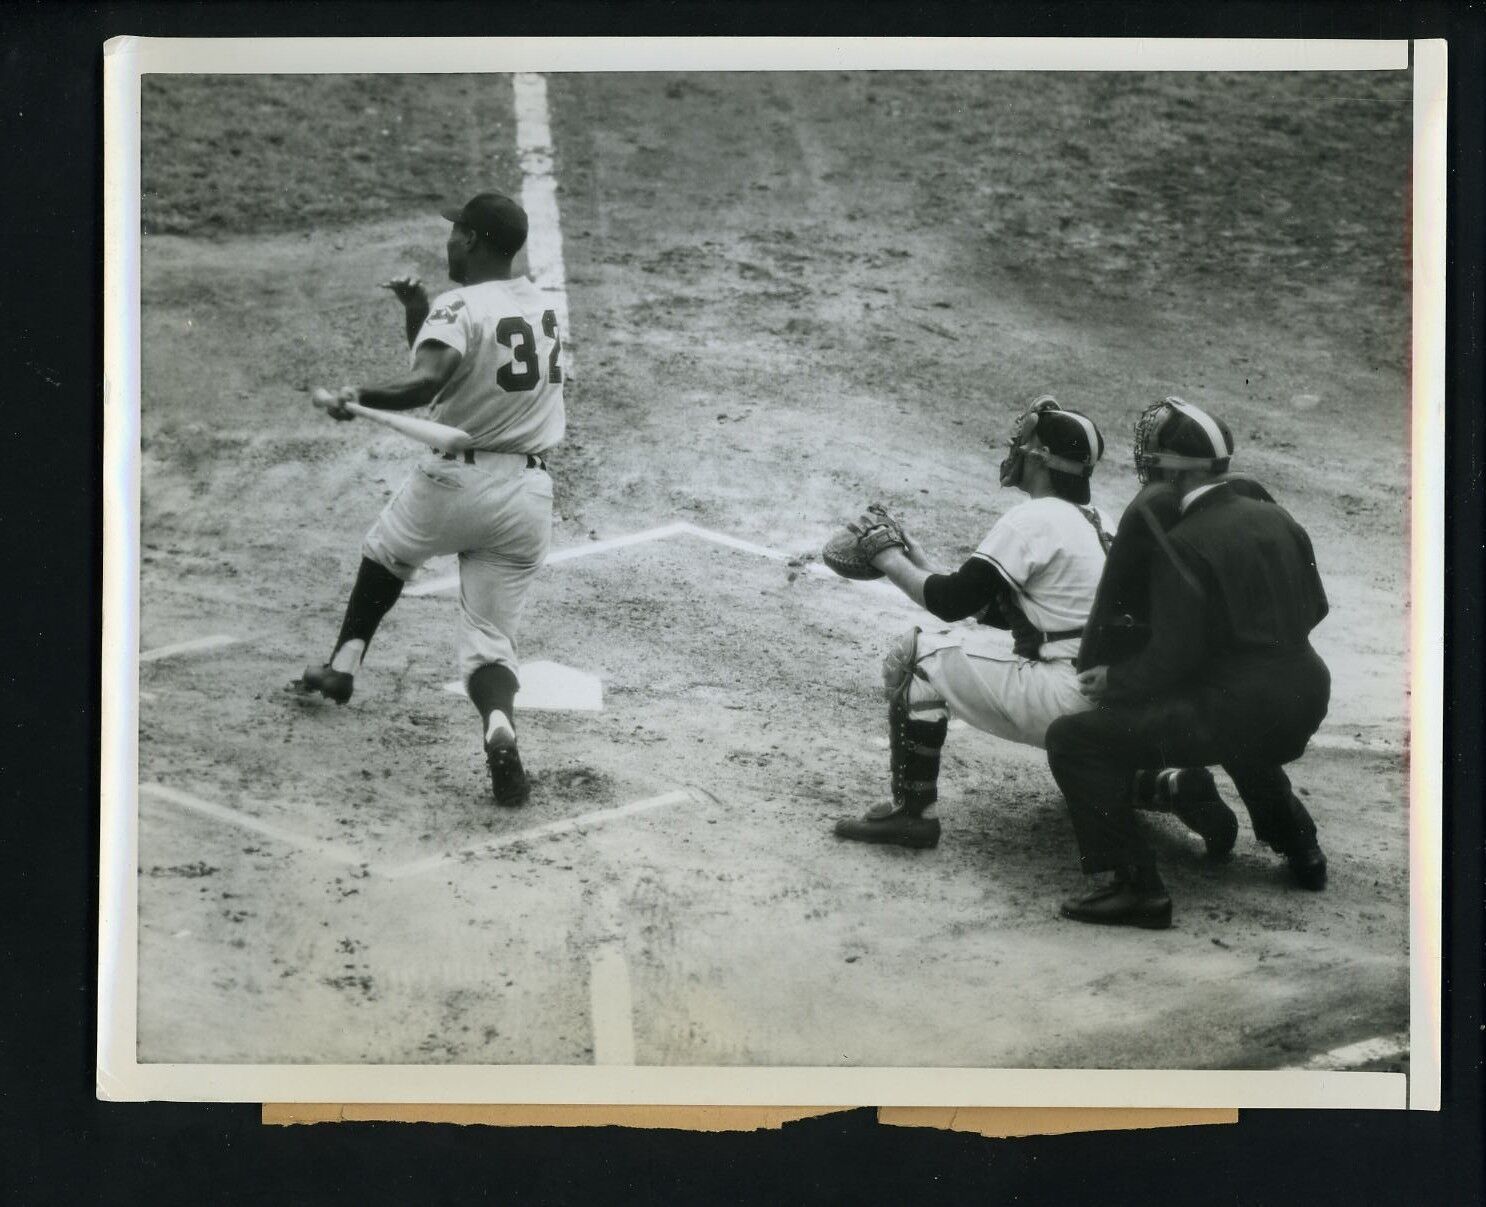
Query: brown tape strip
[1046, 1121]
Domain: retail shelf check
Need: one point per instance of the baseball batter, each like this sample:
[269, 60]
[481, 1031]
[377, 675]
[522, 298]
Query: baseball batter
[487, 356]
[1035, 573]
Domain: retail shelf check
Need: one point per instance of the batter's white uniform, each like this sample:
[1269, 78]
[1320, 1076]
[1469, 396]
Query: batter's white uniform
[1049, 550]
[496, 512]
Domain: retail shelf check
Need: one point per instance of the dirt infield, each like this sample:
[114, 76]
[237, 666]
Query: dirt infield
[789, 295]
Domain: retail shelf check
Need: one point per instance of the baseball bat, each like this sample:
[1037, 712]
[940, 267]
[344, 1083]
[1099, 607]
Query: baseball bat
[425, 431]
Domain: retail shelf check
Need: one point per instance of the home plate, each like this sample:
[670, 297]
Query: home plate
[552, 687]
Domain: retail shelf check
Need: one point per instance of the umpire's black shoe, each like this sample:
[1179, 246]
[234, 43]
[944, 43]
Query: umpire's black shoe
[1205, 813]
[508, 782]
[1121, 903]
[332, 684]
[1308, 866]
[898, 828]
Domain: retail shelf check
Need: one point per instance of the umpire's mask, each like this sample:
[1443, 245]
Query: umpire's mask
[1174, 435]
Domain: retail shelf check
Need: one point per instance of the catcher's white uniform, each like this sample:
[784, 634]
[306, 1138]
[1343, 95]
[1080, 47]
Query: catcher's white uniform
[1036, 573]
[493, 506]
[1050, 551]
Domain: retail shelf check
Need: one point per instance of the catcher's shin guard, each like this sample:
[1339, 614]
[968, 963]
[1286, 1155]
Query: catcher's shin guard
[913, 745]
[914, 748]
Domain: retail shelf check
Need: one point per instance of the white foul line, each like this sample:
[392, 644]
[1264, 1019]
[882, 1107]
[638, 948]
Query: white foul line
[1383, 1047]
[732, 542]
[551, 829]
[778, 555]
[616, 542]
[539, 199]
[611, 1007]
[195, 645]
[233, 817]
[350, 857]
[447, 582]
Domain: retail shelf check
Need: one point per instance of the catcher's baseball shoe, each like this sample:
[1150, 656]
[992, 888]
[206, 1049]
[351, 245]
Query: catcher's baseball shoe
[1121, 903]
[332, 684]
[508, 782]
[1308, 866]
[1205, 813]
[897, 827]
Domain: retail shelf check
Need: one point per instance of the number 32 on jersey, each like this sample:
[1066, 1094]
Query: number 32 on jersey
[524, 370]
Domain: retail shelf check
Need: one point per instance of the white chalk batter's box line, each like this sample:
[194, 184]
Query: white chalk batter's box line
[196, 645]
[350, 857]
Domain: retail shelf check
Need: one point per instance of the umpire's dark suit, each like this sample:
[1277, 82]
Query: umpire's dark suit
[1229, 677]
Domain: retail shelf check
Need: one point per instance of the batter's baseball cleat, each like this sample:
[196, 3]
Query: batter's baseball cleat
[1308, 866]
[1121, 903]
[508, 782]
[332, 684]
[896, 827]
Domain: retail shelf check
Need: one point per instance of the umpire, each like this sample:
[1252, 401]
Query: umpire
[1228, 676]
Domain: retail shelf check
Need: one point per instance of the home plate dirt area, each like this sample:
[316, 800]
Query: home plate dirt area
[773, 323]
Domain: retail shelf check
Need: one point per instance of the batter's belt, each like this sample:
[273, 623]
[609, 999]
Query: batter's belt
[477, 456]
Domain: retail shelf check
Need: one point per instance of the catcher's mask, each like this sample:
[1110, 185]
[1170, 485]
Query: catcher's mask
[1174, 435]
[1074, 448]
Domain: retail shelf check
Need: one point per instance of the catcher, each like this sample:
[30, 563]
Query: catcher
[1035, 574]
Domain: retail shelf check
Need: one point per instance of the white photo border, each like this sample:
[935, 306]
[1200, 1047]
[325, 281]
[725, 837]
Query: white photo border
[119, 1074]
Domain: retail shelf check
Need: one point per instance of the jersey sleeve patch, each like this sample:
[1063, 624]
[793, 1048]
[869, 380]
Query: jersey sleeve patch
[448, 313]
[447, 323]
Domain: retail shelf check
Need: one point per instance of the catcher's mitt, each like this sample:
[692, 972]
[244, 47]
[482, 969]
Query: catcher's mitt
[850, 552]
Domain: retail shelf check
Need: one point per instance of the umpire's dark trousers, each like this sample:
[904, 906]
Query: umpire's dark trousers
[1250, 716]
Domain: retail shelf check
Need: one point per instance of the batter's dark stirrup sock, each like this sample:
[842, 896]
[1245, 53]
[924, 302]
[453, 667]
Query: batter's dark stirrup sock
[376, 590]
[493, 687]
[913, 751]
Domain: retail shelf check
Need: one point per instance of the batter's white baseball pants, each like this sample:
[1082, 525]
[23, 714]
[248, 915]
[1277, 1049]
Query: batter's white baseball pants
[497, 516]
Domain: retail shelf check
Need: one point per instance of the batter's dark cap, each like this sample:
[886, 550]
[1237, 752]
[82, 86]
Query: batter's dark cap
[495, 218]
